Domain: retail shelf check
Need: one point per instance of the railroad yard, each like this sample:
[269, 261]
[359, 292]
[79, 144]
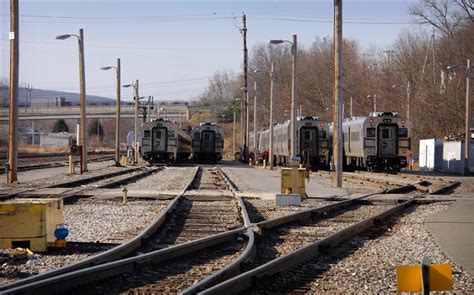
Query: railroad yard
[215, 229]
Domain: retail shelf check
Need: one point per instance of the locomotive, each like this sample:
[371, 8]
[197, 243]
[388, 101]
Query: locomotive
[380, 141]
[164, 142]
[207, 143]
[312, 142]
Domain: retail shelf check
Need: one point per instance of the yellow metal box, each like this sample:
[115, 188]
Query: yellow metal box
[30, 223]
[293, 180]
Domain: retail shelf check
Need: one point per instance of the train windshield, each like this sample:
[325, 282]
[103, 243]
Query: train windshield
[403, 132]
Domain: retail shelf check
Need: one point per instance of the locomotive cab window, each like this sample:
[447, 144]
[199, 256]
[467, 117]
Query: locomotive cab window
[206, 137]
[146, 133]
[307, 135]
[370, 132]
[403, 132]
[158, 134]
[322, 133]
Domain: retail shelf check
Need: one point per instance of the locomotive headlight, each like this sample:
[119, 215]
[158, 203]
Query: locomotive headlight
[404, 151]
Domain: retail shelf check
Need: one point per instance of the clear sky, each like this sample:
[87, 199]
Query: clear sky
[174, 47]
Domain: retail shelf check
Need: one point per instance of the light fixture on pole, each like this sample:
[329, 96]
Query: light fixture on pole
[117, 110]
[294, 96]
[467, 126]
[136, 144]
[409, 89]
[82, 95]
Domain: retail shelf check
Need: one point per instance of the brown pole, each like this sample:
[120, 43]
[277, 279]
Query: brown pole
[255, 121]
[117, 117]
[137, 100]
[294, 97]
[272, 93]
[82, 81]
[246, 93]
[14, 68]
[338, 100]
[467, 139]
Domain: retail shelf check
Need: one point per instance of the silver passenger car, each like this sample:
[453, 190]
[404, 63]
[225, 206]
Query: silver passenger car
[312, 142]
[164, 142]
[207, 143]
[380, 141]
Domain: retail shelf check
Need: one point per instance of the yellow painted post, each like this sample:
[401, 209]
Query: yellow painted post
[125, 196]
[71, 165]
[264, 164]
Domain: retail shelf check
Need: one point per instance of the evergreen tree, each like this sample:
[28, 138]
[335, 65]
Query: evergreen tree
[95, 129]
[60, 126]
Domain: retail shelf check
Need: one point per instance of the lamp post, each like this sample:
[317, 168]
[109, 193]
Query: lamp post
[409, 89]
[467, 139]
[137, 98]
[117, 111]
[294, 97]
[272, 93]
[82, 81]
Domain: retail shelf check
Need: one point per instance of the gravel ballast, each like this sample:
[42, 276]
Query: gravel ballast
[88, 220]
[170, 179]
[367, 263]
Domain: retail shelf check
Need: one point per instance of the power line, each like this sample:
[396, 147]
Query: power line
[128, 47]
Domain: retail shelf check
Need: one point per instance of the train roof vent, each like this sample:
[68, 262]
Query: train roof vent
[384, 114]
[160, 120]
[312, 118]
[206, 124]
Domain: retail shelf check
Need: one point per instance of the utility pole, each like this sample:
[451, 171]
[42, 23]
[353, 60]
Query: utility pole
[246, 93]
[294, 97]
[233, 136]
[137, 99]
[255, 121]
[409, 92]
[467, 139]
[338, 99]
[14, 73]
[351, 108]
[272, 82]
[82, 81]
[117, 115]
[375, 102]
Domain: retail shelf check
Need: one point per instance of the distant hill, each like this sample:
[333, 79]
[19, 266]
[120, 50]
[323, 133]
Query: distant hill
[70, 96]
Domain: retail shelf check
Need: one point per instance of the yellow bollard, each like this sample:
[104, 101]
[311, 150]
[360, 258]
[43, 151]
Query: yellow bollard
[71, 165]
[264, 164]
[125, 196]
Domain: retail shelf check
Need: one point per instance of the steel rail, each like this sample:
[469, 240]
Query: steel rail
[245, 280]
[233, 268]
[110, 255]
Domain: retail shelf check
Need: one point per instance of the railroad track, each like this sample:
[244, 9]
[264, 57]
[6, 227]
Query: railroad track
[60, 163]
[83, 185]
[288, 244]
[195, 251]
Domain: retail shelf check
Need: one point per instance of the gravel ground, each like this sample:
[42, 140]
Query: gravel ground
[109, 220]
[367, 263]
[49, 176]
[260, 210]
[88, 221]
[172, 178]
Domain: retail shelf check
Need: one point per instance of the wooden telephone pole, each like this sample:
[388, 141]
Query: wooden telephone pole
[14, 68]
[246, 92]
[338, 100]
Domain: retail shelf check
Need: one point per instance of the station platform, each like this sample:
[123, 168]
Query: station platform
[453, 231]
[265, 183]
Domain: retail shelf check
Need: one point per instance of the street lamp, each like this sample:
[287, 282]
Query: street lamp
[294, 97]
[467, 139]
[272, 80]
[117, 111]
[374, 97]
[82, 81]
[409, 89]
[136, 98]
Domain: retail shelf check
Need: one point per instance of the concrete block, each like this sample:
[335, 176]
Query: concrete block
[287, 200]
